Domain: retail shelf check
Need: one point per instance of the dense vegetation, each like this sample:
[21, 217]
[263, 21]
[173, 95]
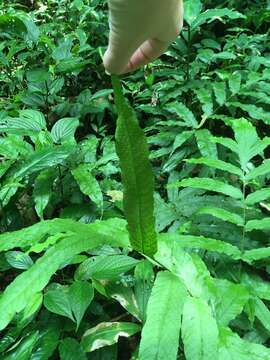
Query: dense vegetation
[112, 249]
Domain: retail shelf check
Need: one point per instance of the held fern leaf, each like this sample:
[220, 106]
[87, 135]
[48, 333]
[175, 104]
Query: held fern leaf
[137, 176]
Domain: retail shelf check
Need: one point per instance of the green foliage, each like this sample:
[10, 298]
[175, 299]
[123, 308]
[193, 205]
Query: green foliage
[199, 330]
[137, 175]
[70, 349]
[160, 335]
[107, 334]
[158, 234]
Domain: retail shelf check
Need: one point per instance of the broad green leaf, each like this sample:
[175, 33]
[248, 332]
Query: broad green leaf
[19, 260]
[215, 14]
[217, 164]
[137, 176]
[210, 185]
[63, 49]
[262, 313]
[263, 224]
[192, 10]
[189, 268]
[88, 184]
[125, 296]
[80, 295]
[228, 143]
[199, 331]
[24, 350]
[56, 300]
[205, 98]
[71, 301]
[70, 349]
[106, 334]
[71, 65]
[248, 142]
[47, 342]
[36, 119]
[30, 122]
[12, 145]
[32, 307]
[261, 170]
[12, 24]
[235, 82]
[43, 190]
[256, 285]
[8, 190]
[231, 346]
[101, 94]
[257, 196]
[207, 148]
[64, 130]
[144, 280]
[160, 334]
[16, 296]
[183, 113]
[222, 214]
[38, 75]
[165, 213]
[229, 301]
[180, 139]
[200, 242]
[261, 97]
[256, 254]
[254, 111]
[32, 33]
[5, 165]
[35, 234]
[220, 92]
[105, 267]
[43, 159]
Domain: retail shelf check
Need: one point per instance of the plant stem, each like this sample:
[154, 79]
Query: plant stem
[243, 240]
[188, 54]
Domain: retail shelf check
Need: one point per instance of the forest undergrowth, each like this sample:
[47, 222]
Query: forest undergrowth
[134, 212]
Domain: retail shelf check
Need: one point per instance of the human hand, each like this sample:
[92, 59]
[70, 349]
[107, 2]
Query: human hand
[140, 31]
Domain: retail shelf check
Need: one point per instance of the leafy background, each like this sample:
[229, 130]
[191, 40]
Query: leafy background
[72, 284]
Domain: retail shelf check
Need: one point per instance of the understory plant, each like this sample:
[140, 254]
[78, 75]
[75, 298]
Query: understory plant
[169, 293]
[151, 241]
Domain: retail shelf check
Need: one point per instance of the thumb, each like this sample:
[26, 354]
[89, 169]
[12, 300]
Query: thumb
[146, 53]
[123, 56]
[119, 52]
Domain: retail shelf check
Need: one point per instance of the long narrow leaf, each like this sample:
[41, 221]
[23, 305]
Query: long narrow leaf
[211, 185]
[137, 176]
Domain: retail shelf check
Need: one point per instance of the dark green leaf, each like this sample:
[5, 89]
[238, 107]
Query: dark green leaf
[64, 130]
[70, 349]
[137, 175]
[19, 260]
[105, 267]
[211, 185]
[80, 296]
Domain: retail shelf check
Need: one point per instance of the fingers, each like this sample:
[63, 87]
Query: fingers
[122, 58]
[140, 31]
[146, 53]
[119, 52]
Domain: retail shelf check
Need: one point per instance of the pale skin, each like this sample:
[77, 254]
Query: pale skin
[140, 32]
